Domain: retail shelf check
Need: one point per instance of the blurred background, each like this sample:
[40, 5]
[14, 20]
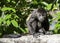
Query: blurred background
[13, 14]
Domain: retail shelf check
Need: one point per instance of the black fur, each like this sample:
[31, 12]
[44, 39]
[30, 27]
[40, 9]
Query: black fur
[37, 22]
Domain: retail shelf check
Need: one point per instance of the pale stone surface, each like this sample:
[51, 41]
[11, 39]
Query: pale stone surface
[30, 39]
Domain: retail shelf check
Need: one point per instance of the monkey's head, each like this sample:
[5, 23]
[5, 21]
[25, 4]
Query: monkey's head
[41, 14]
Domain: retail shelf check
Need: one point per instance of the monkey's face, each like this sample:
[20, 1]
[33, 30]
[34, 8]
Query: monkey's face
[41, 16]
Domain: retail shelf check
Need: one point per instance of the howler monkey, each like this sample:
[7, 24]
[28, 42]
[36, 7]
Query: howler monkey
[37, 22]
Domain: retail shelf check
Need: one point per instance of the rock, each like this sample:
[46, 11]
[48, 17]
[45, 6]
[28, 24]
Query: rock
[30, 39]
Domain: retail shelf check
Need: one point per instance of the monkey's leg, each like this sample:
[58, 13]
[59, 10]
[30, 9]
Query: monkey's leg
[41, 30]
[30, 28]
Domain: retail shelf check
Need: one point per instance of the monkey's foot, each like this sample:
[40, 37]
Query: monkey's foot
[37, 34]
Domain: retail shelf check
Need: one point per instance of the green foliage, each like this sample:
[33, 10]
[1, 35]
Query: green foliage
[15, 24]
[8, 8]
[57, 26]
[8, 0]
[13, 14]
[8, 22]
[48, 6]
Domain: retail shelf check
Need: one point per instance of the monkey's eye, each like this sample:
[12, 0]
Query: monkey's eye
[43, 15]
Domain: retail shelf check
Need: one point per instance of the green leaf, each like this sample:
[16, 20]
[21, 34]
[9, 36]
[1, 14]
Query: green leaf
[7, 16]
[14, 2]
[22, 29]
[55, 31]
[15, 24]
[8, 22]
[56, 6]
[16, 16]
[1, 20]
[49, 6]
[35, 2]
[44, 3]
[13, 10]
[26, 30]
[8, 0]
[8, 8]
[57, 25]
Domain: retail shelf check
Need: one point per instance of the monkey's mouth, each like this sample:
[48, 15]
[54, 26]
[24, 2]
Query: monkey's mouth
[41, 20]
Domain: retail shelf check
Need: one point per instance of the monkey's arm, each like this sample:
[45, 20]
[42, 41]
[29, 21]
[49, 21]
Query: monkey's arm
[29, 22]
